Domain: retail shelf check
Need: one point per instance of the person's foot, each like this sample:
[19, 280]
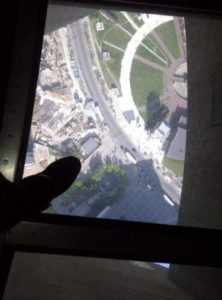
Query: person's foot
[34, 193]
[62, 173]
[52, 182]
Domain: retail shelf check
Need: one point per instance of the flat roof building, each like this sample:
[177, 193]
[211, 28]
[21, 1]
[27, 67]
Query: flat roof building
[89, 146]
[99, 26]
[129, 116]
[106, 55]
[178, 145]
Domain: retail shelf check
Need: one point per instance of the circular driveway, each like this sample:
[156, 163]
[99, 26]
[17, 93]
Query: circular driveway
[173, 99]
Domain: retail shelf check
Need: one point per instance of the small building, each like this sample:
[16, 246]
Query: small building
[29, 160]
[183, 122]
[68, 143]
[99, 26]
[178, 145]
[162, 132]
[49, 80]
[89, 145]
[115, 90]
[76, 71]
[129, 116]
[106, 55]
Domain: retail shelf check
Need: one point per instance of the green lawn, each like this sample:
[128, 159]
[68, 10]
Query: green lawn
[144, 79]
[135, 19]
[167, 33]
[111, 33]
[106, 74]
[151, 43]
[120, 17]
[143, 114]
[177, 166]
[141, 51]
[50, 210]
[114, 64]
[115, 36]
[124, 22]
[129, 28]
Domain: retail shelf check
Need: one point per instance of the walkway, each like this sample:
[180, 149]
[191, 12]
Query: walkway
[182, 47]
[131, 35]
[126, 64]
[163, 46]
[139, 58]
[149, 63]
[130, 20]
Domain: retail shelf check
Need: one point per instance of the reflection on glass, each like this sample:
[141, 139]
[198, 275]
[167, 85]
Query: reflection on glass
[112, 90]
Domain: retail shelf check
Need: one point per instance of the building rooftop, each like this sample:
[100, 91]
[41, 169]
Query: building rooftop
[178, 145]
[99, 26]
[89, 146]
[129, 115]
[29, 159]
[106, 55]
[183, 122]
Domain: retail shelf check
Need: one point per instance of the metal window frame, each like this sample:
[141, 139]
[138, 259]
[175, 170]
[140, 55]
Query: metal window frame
[90, 237]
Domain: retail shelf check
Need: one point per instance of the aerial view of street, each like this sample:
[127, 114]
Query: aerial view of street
[112, 90]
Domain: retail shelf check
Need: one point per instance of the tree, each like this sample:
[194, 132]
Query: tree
[78, 184]
[155, 110]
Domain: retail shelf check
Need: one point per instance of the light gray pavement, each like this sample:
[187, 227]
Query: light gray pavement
[84, 60]
[134, 25]
[109, 117]
[130, 20]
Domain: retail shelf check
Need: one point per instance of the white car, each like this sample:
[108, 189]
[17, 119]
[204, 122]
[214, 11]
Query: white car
[149, 187]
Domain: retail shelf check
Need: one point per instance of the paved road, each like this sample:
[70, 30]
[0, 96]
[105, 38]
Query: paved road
[122, 139]
[84, 60]
[141, 203]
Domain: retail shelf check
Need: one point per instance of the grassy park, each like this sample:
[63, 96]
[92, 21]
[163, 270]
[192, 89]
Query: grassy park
[114, 64]
[167, 33]
[124, 22]
[176, 166]
[142, 51]
[144, 79]
[111, 33]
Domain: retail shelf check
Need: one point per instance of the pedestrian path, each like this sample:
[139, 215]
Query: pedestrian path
[163, 46]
